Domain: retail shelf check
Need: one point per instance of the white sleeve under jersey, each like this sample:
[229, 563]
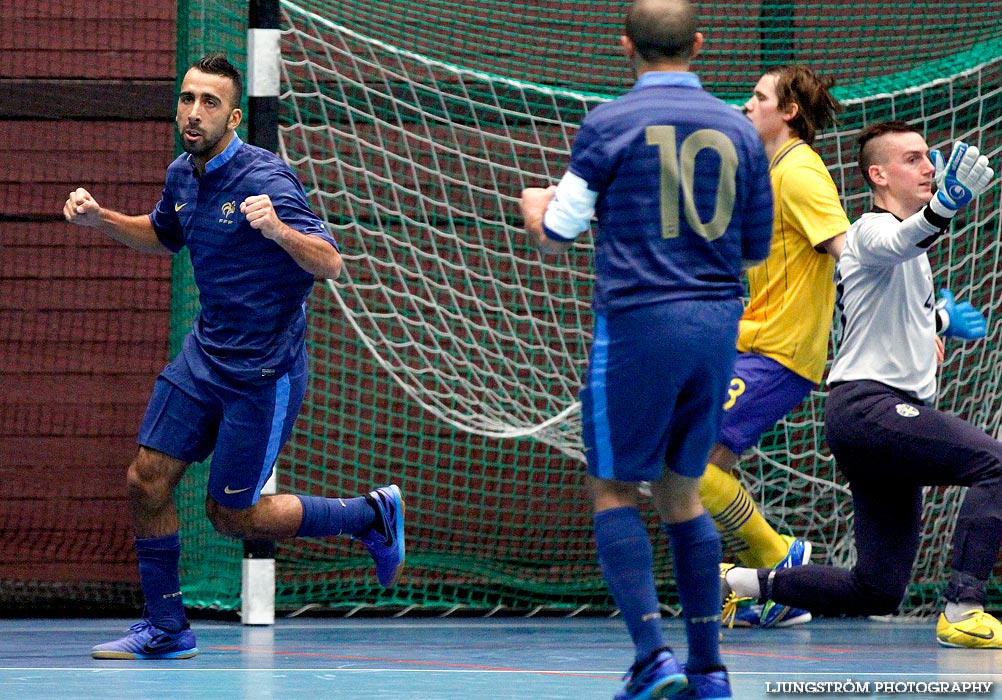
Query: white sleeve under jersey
[886, 304]
[571, 209]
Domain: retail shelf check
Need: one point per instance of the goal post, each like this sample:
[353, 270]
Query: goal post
[257, 572]
[448, 357]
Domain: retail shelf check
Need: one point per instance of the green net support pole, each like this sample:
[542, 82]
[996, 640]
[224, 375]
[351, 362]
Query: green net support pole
[263, 59]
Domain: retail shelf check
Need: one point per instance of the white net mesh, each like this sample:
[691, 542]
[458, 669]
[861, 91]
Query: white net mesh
[418, 166]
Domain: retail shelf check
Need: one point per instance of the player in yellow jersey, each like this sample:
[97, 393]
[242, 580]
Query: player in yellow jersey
[783, 335]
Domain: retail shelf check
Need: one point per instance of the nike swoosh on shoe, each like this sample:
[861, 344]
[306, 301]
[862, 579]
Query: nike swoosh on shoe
[159, 644]
[978, 635]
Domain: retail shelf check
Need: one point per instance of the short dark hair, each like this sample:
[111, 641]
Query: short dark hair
[797, 84]
[662, 29]
[864, 142]
[218, 64]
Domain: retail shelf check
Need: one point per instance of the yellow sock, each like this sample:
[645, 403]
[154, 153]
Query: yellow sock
[734, 512]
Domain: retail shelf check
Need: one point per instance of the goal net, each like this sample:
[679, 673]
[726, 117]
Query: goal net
[448, 356]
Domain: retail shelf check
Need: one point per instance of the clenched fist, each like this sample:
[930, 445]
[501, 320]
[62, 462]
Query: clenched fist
[82, 209]
[261, 215]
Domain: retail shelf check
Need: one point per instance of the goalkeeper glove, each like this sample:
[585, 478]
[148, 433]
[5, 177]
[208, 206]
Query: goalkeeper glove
[960, 320]
[959, 180]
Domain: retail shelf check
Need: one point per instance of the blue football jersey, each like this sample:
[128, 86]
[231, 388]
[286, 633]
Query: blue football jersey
[252, 321]
[683, 193]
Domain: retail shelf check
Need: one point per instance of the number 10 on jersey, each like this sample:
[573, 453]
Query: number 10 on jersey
[678, 174]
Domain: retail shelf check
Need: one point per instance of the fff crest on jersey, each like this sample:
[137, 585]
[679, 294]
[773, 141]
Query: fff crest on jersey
[228, 209]
[906, 410]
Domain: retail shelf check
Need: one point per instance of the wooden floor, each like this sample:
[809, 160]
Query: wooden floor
[458, 659]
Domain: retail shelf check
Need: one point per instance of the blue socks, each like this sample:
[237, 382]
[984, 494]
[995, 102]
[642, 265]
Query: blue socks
[159, 558]
[327, 517]
[696, 553]
[624, 552]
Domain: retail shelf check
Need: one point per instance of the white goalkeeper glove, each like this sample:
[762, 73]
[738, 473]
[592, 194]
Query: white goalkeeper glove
[959, 180]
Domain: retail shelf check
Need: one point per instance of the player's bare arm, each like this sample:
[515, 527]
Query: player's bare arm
[313, 254]
[534, 202]
[833, 246]
[134, 231]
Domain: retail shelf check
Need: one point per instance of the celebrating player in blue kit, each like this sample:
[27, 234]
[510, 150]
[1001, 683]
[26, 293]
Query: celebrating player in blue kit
[680, 184]
[880, 423]
[236, 387]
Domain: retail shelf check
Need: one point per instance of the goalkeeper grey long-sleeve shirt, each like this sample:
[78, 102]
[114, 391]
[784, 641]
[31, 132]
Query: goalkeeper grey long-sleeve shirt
[886, 303]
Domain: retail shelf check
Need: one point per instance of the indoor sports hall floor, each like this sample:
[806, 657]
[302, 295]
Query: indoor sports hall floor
[536, 658]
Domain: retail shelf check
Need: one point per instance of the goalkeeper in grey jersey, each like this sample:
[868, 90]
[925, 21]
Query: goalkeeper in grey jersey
[888, 440]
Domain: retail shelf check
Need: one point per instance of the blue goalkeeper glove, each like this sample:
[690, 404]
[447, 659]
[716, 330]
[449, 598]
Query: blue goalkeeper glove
[960, 319]
[960, 179]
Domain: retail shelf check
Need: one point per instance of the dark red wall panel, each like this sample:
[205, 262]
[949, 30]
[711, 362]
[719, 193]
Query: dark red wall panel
[84, 321]
[103, 39]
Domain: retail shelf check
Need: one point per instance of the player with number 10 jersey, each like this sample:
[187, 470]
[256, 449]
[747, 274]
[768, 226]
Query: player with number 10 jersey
[680, 185]
[682, 236]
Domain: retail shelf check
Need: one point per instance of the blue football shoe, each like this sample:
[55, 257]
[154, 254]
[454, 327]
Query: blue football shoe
[746, 614]
[774, 614]
[653, 679]
[711, 684]
[387, 550]
[147, 641]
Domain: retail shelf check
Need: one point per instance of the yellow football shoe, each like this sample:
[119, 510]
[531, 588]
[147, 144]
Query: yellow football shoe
[978, 630]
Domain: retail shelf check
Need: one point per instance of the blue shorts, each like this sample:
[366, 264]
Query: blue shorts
[655, 387]
[194, 412]
[760, 393]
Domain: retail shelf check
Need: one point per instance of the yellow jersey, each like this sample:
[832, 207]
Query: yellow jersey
[792, 293]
